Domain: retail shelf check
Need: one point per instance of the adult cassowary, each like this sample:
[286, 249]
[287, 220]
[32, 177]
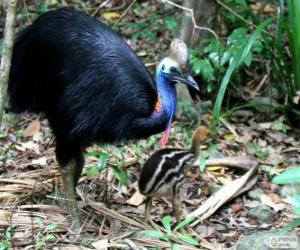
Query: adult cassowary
[91, 87]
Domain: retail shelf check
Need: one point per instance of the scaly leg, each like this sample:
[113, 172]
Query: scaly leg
[148, 206]
[177, 207]
[68, 173]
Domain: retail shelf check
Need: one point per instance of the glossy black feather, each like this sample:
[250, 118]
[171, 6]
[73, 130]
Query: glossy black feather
[85, 78]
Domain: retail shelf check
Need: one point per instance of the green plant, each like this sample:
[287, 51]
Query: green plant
[102, 163]
[291, 176]
[6, 242]
[235, 61]
[172, 233]
[45, 235]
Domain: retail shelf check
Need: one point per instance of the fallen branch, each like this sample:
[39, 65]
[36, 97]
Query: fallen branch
[229, 191]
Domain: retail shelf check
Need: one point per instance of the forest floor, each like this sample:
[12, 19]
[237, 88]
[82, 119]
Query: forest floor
[32, 211]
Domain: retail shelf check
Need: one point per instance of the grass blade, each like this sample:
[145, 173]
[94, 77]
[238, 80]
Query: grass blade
[234, 65]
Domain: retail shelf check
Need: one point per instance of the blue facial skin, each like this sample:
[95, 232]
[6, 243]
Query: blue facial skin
[167, 93]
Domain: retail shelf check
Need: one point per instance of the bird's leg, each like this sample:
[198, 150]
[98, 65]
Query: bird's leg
[176, 202]
[177, 207]
[68, 173]
[148, 206]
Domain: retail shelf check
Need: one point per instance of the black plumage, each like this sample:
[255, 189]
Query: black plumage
[90, 85]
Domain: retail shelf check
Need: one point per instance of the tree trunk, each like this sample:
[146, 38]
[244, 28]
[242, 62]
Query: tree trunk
[204, 13]
[7, 53]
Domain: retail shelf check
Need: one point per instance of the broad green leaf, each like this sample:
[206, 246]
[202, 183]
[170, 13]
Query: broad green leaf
[4, 245]
[188, 239]
[166, 221]
[203, 67]
[237, 36]
[42, 6]
[296, 200]
[50, 227]
[202, 161]
[171, 23]
[3, 134]
[289, 226]
[156, 234]
[121, 175]
[19, 133]
[101, 164]
[297, 210]
[234, 65]
[175, 246]
[50, 237]
[184, 222]
[38, 220]
[289, 176]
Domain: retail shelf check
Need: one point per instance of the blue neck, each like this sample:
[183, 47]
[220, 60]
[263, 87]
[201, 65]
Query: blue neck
[167, 93]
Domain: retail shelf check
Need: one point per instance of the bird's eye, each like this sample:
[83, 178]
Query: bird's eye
[173, 70]
[163, 67]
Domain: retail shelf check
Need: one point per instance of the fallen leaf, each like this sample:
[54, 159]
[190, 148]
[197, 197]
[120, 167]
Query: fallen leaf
[32, 128]
[136, 199]
[101, 244]
[41, 161]
[265, 199]
[236, 207]
[30, 145]
[111, 15]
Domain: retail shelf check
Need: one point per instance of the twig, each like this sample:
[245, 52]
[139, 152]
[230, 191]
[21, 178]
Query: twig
[26, 11]
[100, 7]
[7, 53]
[124, 13]
[191, 11]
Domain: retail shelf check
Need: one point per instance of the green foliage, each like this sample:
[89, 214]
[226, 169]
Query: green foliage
[44, 235]
[240, 57]
[294, 40]
[101, 164]
[121, 175]
[166, 221]
[42, 6]
[291, 176]
[5, 244]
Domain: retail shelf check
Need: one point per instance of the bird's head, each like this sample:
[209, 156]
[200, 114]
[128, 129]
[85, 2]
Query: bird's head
[174, 67]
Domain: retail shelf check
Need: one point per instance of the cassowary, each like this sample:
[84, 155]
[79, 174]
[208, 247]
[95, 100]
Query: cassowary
[164, 172]
[91, 87]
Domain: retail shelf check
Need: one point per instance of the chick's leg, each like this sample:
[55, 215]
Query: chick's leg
[148, 206]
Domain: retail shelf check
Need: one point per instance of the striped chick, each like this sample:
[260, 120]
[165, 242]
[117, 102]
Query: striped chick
[164, 172]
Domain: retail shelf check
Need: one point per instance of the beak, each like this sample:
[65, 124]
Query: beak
[185, 79]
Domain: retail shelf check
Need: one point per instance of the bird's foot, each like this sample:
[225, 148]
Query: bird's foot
[76, 233]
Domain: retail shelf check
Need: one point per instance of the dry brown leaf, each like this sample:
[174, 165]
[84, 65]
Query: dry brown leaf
[30, 145]
[267, 8]
[41, 161]
[265, 199]
[275, 198]
[32, 128]
[136, 199]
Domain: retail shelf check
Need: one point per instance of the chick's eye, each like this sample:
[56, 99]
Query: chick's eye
[173, 70]
[163, 67]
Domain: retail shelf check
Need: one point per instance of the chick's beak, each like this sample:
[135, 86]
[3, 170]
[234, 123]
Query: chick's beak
[186, 79]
